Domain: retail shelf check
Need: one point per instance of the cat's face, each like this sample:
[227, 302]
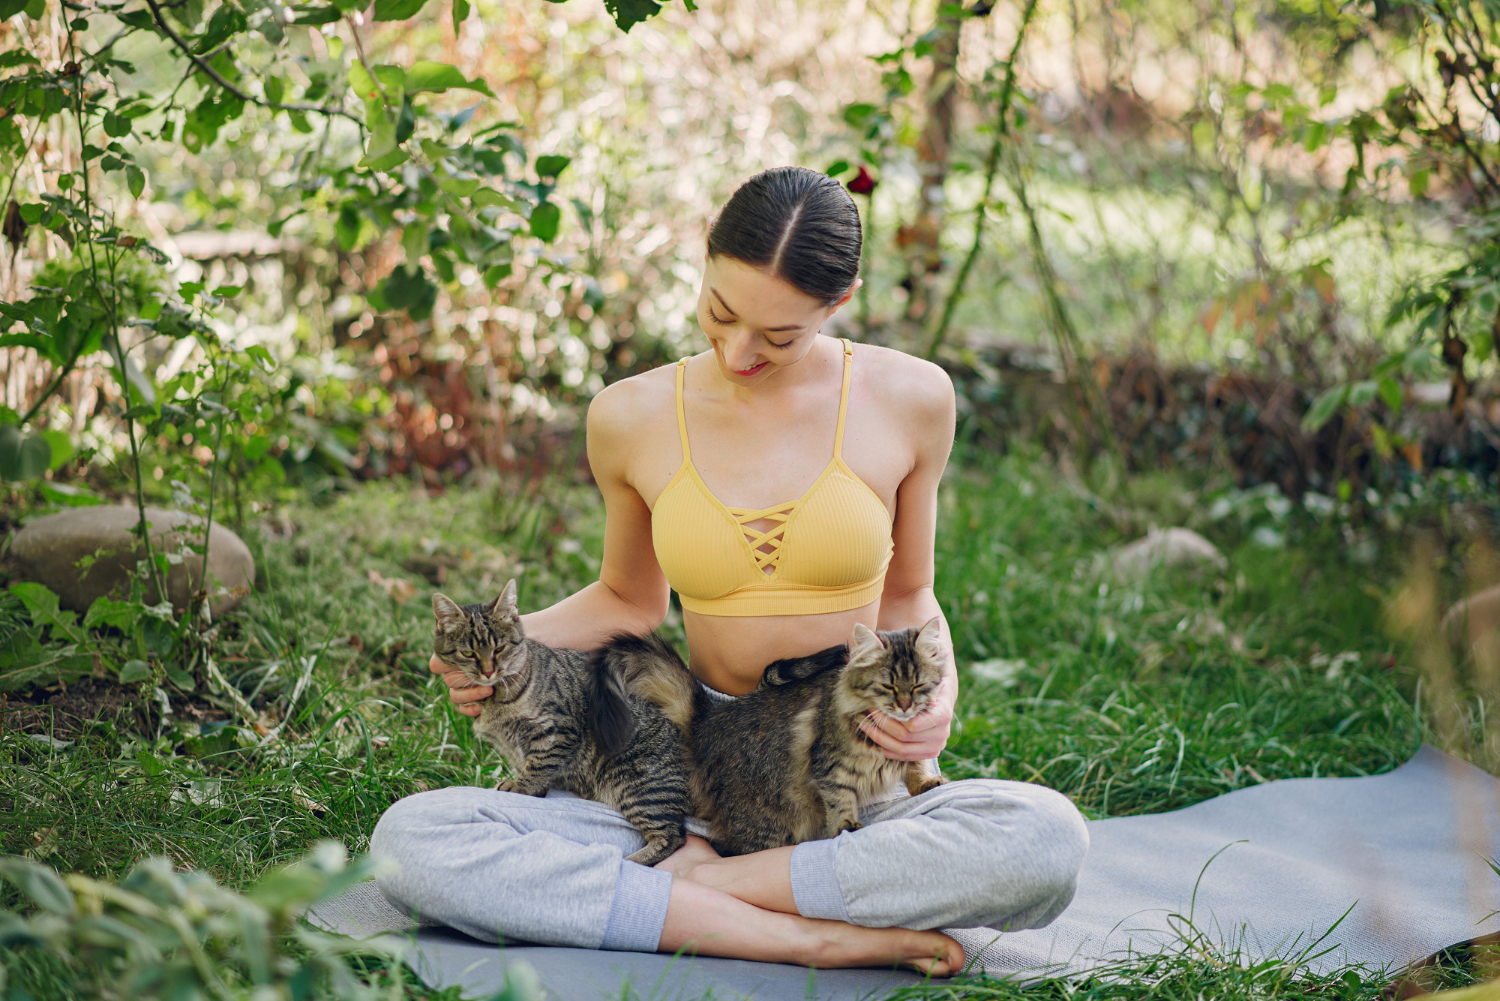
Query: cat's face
[898, 673]
[483, 641]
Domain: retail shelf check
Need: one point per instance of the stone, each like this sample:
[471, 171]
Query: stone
[1171, 547]
[49, 549]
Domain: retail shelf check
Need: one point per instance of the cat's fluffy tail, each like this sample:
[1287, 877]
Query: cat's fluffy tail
[609, 716]
[784, 672]
[653, 671]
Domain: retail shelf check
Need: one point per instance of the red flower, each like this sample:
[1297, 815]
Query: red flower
[863, 184]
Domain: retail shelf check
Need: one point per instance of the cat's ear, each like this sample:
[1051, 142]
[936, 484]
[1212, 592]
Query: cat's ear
[449, 615]
[929, 641]
[505, 607]
[865, 645]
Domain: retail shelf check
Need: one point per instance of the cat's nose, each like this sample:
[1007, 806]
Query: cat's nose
[903, 700]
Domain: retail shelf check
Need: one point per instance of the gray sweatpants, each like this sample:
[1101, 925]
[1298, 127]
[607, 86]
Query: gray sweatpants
[503, 866]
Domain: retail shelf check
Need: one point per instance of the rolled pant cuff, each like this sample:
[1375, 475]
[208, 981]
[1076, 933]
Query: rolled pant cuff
[639, 911]
[815, 883]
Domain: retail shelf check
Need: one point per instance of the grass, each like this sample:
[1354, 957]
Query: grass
[1131, 697]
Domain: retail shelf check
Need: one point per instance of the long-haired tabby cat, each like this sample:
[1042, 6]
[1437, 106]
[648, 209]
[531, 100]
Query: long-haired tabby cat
[564, 719]
[787, 763]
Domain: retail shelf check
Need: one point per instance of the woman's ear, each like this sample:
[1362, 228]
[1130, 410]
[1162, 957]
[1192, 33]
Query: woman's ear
[846, 297]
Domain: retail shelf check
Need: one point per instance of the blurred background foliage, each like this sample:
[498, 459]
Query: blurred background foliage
[1258, 238]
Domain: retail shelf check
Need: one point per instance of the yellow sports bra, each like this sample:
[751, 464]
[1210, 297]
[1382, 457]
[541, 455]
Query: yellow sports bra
[827, 552]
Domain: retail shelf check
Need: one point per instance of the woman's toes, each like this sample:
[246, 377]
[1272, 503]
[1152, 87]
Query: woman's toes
[690, 856]
[945, 958]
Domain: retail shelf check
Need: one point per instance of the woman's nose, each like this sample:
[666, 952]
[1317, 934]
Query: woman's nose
[739, 350]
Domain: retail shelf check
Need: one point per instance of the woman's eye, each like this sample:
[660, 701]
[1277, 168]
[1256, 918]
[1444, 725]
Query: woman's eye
[715, 316]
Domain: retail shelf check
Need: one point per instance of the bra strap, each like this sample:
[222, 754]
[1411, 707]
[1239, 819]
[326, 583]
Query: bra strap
[687, 455]
[838, 438]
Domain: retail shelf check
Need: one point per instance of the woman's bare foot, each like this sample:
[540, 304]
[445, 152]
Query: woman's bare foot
[689, 857]
[929, 952]
[710, 922]
[761, 878]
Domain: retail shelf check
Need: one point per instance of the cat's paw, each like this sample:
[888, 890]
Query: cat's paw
[850, 825]
[508, 785]
[929, 784]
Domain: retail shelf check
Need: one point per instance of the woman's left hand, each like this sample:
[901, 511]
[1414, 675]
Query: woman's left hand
[924, 735]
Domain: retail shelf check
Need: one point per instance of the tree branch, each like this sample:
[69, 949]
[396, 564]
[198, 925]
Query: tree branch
[991, 166]
[218, 78]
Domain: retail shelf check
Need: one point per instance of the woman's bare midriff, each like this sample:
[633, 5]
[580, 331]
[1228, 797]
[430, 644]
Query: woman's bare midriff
[729, 653]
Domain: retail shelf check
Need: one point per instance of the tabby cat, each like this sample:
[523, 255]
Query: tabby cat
[787, 763]
[564, 719]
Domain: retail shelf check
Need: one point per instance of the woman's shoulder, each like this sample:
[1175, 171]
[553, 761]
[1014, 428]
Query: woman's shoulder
[626, 406]
[897, 378]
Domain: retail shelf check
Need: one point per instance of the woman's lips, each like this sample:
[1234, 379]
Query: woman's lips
[752, 371]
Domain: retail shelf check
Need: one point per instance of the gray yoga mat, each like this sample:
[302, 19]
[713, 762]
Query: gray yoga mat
[1380, 871]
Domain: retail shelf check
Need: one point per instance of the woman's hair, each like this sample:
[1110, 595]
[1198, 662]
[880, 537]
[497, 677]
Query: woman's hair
[800, 225]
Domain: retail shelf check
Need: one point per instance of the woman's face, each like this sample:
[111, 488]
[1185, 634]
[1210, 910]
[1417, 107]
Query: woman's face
[757, 323]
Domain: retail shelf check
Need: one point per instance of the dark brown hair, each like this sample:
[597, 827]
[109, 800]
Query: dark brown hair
[800, 225]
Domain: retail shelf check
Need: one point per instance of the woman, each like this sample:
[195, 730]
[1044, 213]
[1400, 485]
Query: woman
[696, 463]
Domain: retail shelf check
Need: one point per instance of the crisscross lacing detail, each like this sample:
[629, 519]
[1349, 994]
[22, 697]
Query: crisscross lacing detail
[765, 546]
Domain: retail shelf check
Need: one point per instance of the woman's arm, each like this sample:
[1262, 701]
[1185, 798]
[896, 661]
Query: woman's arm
[924, 394]
[631, 593]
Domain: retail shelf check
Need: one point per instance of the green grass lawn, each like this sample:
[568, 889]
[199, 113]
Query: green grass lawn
[1130, 697]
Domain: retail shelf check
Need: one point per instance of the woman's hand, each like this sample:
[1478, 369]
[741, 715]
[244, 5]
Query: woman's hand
[924, 735]
[463, 692]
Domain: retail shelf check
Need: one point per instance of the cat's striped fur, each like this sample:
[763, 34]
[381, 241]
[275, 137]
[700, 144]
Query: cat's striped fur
[787, 763]
[564, 719]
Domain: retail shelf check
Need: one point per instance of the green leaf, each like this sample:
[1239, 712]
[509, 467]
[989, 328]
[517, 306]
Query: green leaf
[116, 126]
[35, 9]
[42, 605]
[435, 78]
[1392, 394]
[397, 10]
[485, 197]
[262, 358]
[551, 166]
[31, 212]
[228, 291]
[22, 457]
[1324, 407]
[135, 180]
[10, 8]
[45, 888]
[388, 161]
[1361, 393]
[150, 763]
[1317, 134]
[629, 13]
[180, 678]
[460, 14]
[409, 290]
[545, 219]
[362, 83]
[346, 227]
[837, 167]
[121, 615]
[308, 13]
[62, 448]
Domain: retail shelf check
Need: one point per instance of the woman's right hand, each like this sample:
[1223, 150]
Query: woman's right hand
[463, 692]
